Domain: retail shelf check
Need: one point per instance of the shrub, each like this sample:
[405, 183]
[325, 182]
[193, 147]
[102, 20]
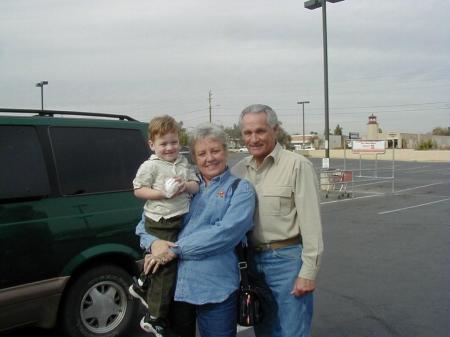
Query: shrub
[427, 145]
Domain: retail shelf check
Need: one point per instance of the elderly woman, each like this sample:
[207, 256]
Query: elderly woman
[220, 215]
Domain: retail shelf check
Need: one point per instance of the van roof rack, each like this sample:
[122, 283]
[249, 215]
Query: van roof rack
[51, 113]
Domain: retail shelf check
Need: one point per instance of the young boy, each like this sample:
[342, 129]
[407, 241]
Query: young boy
[166, 181]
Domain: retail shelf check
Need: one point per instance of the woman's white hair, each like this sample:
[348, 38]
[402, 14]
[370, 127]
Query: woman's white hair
[207, 131]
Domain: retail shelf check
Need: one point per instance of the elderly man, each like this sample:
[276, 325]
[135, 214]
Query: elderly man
[286, 242]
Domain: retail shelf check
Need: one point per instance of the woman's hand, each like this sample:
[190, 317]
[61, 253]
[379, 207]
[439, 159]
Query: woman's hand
[152, 262]
[161, 246]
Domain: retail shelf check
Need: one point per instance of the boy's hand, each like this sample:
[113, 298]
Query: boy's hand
[181, 186]
[191, 186]
[172, 187]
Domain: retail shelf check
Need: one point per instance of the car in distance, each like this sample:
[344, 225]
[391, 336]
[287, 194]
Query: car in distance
[185, 150]
[67, 220]
[243, 149]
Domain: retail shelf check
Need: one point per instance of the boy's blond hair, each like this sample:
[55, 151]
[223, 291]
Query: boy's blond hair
[159, 126]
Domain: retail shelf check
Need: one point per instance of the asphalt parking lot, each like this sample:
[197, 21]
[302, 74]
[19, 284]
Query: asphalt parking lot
[385, 266]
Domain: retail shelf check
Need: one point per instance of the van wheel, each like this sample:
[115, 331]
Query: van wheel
[98, 304]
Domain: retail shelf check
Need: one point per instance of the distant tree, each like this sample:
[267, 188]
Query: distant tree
[233, 132]
[338, 130]
[427, 145]
[380, 130]
[438, 131]
[284, 138]
[183, 136]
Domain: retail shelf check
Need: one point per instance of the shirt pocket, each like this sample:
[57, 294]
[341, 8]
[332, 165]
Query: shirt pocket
[276, 200]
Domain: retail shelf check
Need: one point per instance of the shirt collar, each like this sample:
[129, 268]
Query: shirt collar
[155, 157]
[220, 178]
[274, 155]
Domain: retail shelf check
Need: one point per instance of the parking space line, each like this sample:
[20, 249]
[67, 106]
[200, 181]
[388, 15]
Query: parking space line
[366, 192]
[377, 182]
[443, 171]
[350, 199]
[415, 206]
[414, 168]
[417, 187]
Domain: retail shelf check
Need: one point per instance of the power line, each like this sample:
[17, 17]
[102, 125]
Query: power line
[375, 106]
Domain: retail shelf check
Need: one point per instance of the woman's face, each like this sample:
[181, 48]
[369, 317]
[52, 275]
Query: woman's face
[210, 157]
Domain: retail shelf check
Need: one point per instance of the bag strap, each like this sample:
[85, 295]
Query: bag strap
[234, 185]
[242, 254]
[241, 250]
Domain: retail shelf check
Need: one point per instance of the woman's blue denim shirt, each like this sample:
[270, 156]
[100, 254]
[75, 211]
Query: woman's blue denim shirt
[217, 221]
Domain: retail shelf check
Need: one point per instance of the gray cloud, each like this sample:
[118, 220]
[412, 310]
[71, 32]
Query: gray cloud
[152, 57]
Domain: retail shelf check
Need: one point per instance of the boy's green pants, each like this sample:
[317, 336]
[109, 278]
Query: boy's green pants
[162, 283]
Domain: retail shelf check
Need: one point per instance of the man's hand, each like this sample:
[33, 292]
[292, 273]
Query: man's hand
[303, 286]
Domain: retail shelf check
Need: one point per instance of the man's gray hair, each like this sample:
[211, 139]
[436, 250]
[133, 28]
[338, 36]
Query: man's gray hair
[272, 118]
[204, 131]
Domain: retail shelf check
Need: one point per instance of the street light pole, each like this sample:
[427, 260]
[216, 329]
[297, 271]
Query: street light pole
[313, 4]
[303, 108]
[325, 78]
[41, 85]
[209, 99]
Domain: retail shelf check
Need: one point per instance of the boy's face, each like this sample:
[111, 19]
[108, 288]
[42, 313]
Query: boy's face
[166, 147]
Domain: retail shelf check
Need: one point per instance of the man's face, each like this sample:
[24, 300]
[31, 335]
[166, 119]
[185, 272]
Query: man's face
[258, 136]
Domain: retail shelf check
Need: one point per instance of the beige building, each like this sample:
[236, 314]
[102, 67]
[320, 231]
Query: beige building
[311, 142]
[398, 140]
[402, 140]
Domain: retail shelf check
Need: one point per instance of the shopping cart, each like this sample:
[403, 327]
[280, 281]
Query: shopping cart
[336, 180]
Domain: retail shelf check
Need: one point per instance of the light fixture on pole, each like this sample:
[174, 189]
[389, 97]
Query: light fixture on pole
[303, 108]
[41, 85]
[313, 4]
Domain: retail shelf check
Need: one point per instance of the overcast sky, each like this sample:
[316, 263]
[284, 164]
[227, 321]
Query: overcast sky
[151, 57]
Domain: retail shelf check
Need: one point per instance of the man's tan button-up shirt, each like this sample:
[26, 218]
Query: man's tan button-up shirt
[288, 203]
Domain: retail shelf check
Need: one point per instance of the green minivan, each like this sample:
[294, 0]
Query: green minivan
[67, 219]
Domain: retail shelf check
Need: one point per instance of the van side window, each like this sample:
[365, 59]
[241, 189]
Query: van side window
[22, 168]
[92, 160]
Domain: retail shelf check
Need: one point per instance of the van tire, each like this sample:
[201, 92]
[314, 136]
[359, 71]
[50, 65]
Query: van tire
[97, 304]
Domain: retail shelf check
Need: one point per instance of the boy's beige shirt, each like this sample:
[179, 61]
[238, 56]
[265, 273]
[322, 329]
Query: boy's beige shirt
[153, 173]
[288, 203]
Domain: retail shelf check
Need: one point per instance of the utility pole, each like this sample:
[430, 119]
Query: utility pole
[209, 99]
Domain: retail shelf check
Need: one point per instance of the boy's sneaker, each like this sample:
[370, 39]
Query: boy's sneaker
[156, 326]
[138, 292]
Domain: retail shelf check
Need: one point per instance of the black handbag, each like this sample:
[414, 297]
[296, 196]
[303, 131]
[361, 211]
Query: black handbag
[249, 301]
[250, 298]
